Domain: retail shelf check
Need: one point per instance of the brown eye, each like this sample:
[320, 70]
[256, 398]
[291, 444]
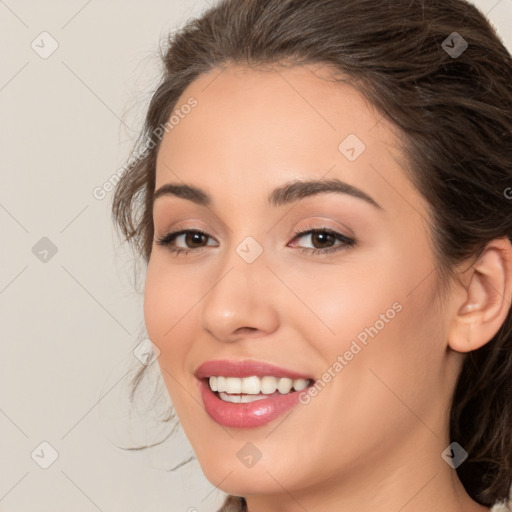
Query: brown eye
[194, 238]
[323, 240]
[185, 240]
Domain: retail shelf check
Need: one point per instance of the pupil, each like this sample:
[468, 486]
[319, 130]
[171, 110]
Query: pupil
[194, 238]
[325, 238]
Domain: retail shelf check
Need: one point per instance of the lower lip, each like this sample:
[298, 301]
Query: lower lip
[249, 415]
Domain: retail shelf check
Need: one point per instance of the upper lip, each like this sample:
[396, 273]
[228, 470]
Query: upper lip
[244, 368]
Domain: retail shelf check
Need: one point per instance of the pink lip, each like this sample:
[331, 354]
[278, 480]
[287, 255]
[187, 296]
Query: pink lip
[245, 415]
[248, 415]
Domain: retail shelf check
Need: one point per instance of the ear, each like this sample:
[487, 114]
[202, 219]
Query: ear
[486, 298]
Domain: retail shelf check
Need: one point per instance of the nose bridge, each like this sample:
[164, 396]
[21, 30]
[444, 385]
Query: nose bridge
[240, 296]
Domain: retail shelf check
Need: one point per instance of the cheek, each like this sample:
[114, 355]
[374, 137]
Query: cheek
[372, 321]
[382, 354]
[168, 307]
[169, 317]
[159, 301]
[339, 305]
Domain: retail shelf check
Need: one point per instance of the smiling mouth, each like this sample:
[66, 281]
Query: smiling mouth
[254, 388]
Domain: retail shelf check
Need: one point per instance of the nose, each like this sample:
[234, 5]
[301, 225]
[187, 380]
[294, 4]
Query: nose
[242, 302]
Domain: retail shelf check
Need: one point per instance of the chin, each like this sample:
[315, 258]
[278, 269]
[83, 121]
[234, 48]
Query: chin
[242, 481]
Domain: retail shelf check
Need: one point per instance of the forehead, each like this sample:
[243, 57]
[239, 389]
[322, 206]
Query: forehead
[253, 129]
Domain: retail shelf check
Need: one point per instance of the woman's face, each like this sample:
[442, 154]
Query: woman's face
[355, 309]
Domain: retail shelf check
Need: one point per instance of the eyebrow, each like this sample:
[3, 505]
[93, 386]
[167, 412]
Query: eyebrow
[285, 194]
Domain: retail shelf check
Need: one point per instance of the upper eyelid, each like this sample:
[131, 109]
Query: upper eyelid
[299, 233]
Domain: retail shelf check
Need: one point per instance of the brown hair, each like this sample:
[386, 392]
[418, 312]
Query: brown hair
[455, 116]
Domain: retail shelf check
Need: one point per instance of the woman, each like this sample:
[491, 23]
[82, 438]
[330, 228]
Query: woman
[322, 198]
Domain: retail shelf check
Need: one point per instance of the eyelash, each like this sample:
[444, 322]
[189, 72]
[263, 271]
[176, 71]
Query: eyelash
[347, 242]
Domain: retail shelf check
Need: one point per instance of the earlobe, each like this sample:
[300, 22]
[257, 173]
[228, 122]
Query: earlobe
[487, 298]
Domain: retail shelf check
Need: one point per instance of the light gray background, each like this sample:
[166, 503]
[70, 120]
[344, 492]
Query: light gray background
[69, 325]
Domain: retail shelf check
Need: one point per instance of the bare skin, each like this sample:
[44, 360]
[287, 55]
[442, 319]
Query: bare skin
[372, 438]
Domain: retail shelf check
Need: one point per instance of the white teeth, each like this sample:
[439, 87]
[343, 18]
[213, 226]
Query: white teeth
[254, 386]
[250, 385]
[268, 385]
[300, 384]
[233, 385]
[284, 385]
